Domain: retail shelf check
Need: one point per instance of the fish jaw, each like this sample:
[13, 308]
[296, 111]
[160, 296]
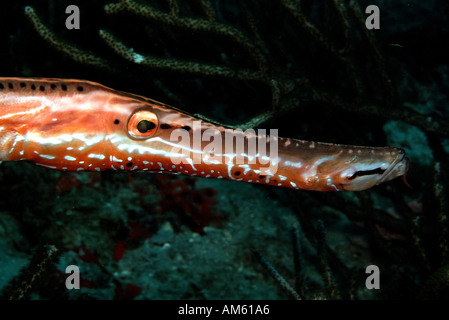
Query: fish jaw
[363, 177]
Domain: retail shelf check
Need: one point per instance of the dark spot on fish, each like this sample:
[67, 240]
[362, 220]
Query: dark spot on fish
[33, 87]
[237, 173]
[116, 121]
[2, 86]
[42, 88]
[129, 164]
[53, 86]
[79, 88]
[64, 87]
[186, 128]
[23, 85]
[10, 85]
[165, 126]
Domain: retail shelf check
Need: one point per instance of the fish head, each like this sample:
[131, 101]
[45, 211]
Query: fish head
[364, 172]
[140, 136]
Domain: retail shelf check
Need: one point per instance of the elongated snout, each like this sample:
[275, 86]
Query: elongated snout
[364, 177]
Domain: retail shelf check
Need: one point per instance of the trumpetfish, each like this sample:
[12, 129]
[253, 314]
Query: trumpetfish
[78, 125]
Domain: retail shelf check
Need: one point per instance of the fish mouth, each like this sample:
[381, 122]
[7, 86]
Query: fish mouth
[398, 168]
[367, 176]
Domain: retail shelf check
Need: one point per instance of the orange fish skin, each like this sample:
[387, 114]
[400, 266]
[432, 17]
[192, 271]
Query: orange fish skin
[78, 125]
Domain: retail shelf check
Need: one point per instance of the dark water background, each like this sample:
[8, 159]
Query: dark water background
[145, 236]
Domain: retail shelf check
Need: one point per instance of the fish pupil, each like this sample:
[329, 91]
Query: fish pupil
[145, 126]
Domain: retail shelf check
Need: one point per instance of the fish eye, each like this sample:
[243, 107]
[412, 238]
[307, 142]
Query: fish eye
[142, 124]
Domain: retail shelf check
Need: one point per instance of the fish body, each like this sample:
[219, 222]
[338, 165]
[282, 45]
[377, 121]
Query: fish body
[77, 125]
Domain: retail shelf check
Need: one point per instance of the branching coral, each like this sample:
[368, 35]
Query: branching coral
[33, 274]
[287, 92]
[301, 290]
